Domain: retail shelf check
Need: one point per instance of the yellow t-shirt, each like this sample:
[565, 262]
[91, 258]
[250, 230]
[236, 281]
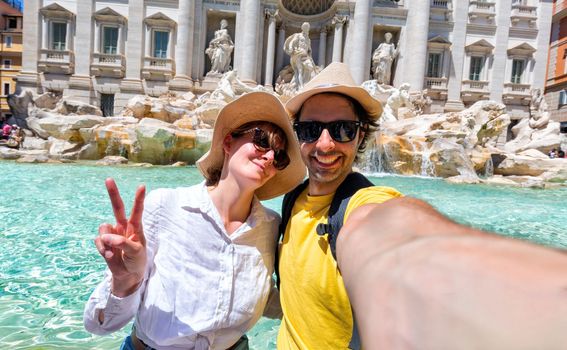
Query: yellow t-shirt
[317, 312]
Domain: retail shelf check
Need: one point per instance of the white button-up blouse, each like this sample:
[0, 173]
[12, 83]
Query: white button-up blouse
[203, 288]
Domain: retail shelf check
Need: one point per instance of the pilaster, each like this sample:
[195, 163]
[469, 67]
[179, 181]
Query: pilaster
[457, 55]
[28, 77]
[500, 53]
[359, 57]
[247, 49]
[184, 51]
[80, 87]
[417, 30]
[132, 84]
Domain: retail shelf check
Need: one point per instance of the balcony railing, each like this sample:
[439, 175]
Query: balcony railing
[436, 83]
[440, 3]
[524, 11]
[475, 85]
[481, 6]
[108, 65]
[56, 61]
[517, 89]
[158, 67]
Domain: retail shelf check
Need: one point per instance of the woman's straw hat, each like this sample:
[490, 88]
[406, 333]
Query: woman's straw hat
[336, 77]
[257, 106]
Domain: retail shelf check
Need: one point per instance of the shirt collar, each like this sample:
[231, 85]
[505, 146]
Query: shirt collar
[202, 202]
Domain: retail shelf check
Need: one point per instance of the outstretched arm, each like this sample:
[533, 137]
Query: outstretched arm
[418, 280]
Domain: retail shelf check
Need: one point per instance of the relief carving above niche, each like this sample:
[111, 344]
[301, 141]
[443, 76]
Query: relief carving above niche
[307, 7]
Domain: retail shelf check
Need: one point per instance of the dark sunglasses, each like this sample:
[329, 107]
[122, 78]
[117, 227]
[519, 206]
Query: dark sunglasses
[340, 130]
[261, 141]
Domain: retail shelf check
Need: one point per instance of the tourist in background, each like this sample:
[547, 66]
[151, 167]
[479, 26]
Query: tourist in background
[194, 265]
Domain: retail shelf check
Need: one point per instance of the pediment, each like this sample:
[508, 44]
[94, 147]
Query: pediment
[480, 46]
[523, 49]
[160, 20]
[439, 41]
[109, 15]
[56, 11]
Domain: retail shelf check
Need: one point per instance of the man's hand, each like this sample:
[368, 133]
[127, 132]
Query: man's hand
[123, 245]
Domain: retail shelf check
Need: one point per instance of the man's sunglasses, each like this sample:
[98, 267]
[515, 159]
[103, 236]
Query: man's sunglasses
[340, 130]
[261, 141]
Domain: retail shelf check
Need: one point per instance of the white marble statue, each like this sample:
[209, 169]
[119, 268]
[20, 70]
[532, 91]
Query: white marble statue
[230, 87]
[298, 47]
[539, 114]
[398, 97]
[220, 49]
[382, 60]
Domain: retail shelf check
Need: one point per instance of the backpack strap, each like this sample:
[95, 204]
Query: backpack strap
[287, 207]
[352, 183]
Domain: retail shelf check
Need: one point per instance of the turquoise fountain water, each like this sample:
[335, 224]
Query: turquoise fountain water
[50, 215]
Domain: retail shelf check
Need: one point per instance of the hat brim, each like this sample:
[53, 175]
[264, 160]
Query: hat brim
[372, 106]
[257, 106]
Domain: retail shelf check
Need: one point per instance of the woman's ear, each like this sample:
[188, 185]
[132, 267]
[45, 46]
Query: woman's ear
[227, 143]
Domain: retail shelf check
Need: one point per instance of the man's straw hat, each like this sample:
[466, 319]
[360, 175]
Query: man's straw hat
[336, 77]
[257, 106]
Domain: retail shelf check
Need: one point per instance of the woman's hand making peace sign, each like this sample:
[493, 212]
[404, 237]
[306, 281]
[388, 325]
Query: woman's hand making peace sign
[123, 245]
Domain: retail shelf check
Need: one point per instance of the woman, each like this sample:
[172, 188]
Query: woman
[196, 270]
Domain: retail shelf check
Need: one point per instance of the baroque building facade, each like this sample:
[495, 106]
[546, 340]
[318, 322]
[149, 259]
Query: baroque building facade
[10, 54]
[105, 51]
[556, 84]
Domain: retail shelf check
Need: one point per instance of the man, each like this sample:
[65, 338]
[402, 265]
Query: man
[333, 120]
[415, 278]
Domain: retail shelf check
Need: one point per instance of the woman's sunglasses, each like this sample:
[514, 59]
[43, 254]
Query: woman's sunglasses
[340, 130]
[261, 141]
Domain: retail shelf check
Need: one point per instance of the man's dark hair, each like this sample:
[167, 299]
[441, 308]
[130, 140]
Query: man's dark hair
[369, 125]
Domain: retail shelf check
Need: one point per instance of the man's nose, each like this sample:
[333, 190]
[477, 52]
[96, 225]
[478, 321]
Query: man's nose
[325, 141]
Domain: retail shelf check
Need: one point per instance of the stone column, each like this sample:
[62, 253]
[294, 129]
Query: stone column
[184, 52]
[338, 22]
[28, 77]
[97, 37]
[458, 59]
[270, 49]
[359, 57]
[45, 33]
[131, 85]
[322, 47]
[80, 86]
[247, 50]
[279, 48]
[415, 54]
